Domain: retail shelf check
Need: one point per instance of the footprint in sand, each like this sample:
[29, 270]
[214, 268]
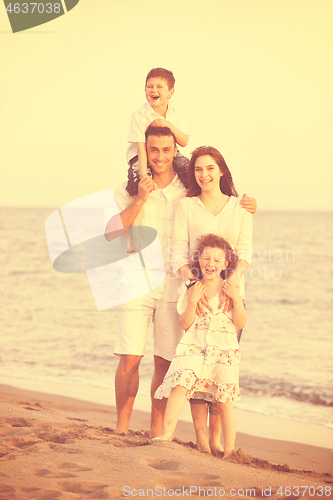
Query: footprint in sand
[18, 422]
[72, 466]
[48, 473]
[20, 443]
[84, 488]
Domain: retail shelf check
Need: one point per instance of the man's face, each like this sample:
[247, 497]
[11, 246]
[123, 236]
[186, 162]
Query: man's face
[160, 153]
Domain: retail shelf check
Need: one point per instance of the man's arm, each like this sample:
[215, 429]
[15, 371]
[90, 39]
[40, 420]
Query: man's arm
[127, 217]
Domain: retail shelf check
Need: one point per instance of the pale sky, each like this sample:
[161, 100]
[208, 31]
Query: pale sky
[253, 77]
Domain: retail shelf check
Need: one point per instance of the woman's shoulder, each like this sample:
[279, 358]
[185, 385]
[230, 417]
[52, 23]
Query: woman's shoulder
[234, 204]
[183, 203]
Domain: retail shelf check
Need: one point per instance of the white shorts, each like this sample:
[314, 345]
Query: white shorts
[134, 320]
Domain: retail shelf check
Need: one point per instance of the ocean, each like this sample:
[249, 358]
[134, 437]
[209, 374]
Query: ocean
[52, 332]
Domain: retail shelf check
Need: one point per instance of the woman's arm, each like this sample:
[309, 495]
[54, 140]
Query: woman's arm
[240, 315]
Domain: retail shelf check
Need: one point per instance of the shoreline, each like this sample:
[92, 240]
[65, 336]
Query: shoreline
[250, 423]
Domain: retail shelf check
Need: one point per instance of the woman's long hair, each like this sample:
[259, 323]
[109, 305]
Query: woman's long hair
[213, 241]
[226, 183]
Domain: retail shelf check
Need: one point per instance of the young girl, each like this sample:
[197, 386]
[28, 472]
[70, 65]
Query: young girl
[207, 358]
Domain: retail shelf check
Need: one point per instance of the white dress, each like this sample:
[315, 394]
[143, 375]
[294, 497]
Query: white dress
[206, 360]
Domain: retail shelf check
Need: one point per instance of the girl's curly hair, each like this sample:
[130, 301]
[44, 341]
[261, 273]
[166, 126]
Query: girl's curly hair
[213, 241]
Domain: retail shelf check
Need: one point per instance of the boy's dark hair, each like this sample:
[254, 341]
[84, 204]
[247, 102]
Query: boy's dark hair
[213, 241]
[159, 132]
[226, 183]
[165, 74]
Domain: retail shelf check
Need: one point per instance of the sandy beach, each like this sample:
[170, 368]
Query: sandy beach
[57, 447]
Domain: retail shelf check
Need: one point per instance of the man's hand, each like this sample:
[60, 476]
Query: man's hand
[249, 204]
[145, 186]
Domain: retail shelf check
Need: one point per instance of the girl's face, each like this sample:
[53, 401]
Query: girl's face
[207, 173]
[212, 261]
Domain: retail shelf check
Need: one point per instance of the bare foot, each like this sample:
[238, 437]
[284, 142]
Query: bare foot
[228, 454]
[121, 431]
[202, 444]
[216, 448]
[162, 437]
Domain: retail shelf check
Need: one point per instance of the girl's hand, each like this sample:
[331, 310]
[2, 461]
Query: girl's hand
[196, 292]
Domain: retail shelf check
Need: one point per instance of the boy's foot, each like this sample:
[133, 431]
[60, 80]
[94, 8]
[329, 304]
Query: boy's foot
[228, 454]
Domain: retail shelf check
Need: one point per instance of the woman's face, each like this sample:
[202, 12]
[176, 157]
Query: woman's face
[207, 173]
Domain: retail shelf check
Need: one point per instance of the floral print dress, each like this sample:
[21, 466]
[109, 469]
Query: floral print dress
[206, 360]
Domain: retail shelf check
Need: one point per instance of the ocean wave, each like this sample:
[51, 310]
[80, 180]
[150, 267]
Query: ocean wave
[300, 392]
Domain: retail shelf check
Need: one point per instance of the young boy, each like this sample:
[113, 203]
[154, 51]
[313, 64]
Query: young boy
[159, 111]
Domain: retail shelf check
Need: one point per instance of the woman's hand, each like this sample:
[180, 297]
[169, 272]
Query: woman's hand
[231, 290]
[249, 204]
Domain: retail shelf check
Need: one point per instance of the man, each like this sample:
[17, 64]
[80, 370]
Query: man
[152, 207]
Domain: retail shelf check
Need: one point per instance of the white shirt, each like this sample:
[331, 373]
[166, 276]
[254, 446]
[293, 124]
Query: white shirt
[157, 213]
[192, 220]
[143, 117]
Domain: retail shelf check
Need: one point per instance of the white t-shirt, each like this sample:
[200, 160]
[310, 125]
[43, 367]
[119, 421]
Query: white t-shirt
[191, 220]
[143, 117]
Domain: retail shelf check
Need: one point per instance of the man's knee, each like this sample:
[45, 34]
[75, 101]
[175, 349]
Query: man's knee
[129, 363]
[161, 364]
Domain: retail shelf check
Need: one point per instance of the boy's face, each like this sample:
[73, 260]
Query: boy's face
[157, 92]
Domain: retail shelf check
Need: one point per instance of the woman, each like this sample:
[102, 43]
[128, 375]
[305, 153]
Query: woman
[211, 206]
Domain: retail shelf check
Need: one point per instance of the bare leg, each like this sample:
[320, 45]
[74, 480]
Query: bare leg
[228, 421]
[126, 384]
[158, 405]
[215, 431]
[199, 416]
[174, 408]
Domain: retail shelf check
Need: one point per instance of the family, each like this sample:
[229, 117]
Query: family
[198, 312]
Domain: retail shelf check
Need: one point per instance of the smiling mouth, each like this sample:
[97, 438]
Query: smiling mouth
[155, 97]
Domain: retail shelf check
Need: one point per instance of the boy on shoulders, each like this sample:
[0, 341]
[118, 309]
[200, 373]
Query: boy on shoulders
[160, 112]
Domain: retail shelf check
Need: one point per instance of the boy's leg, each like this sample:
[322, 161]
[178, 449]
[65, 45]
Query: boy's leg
[158, 405]
[133, 175]
[180, 166]
[173, 410]
[199, 417]
[215, 429]
[228, 421]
